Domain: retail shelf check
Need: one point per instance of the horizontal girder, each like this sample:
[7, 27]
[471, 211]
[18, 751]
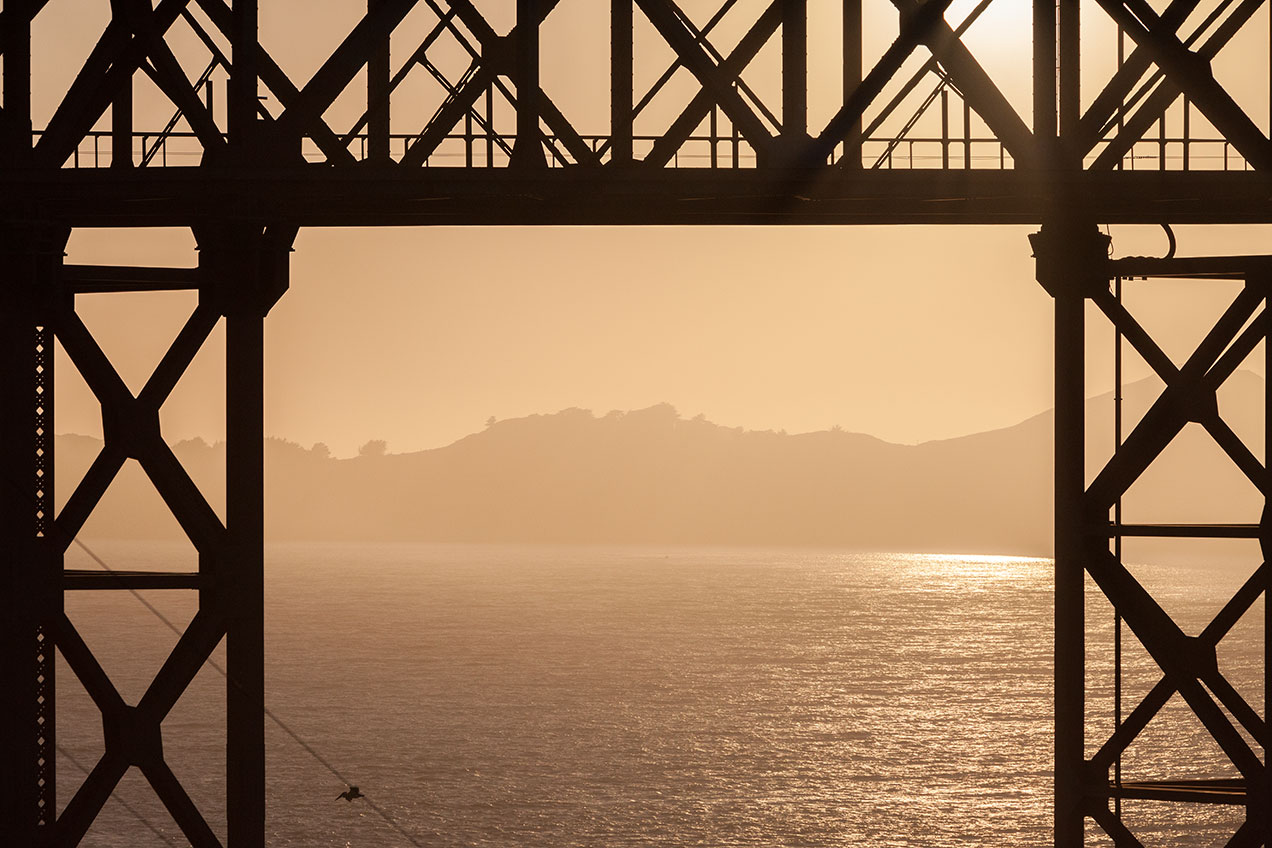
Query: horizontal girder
[388, 196]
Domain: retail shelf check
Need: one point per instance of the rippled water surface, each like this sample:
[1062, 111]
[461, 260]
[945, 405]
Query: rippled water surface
[501, 696]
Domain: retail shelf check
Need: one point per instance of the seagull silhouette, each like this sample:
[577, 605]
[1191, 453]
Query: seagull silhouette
[351, 794]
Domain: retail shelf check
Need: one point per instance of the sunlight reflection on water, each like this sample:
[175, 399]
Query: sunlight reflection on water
[639, 696]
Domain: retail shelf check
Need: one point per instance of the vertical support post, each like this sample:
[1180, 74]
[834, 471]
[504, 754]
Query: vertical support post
[244, 577]
[1263, 804]
[1070, 74]
[1045, 114]
[1071, 255]
[852, 77]
[121, 127]
[1070, 581]
[244, 271]
[794, 70]
[30, 558]
[527, 150]
[15, 42]
[945, 129]
[967, 135]
[622, 63]
[242, 101]
[378, 76]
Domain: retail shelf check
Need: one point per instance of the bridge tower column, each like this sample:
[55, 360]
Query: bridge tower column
[30, 560]
[243, 270]
[1074, 266]
[1071, 257]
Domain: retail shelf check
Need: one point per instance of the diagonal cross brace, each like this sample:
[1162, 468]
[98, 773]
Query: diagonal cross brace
[110, 66]
[915, 30]
[1157, 697]
[493, 61]
[168, 75]
[1191, 73]
[191, 652]
[977, 88]
[1182, 659]
[277, 81]
[174, 485]
[713, 78]
[1166, 93]
[678, 133]
[1168, 414]
[1110, 99]
[342, 66]
[1237, 451]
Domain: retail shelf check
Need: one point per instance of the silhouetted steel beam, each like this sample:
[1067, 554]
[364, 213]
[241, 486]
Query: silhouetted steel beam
[1135, 127]
[1191, 73]
[115, 59]
[97, 279]
[670, 141]
[494, 61]
[1046, 121]
[852, 38]
[1071, 256]
[276, 80]
[15, 46]
[323, 196]
[1174, 408]
[93, 579]
[1174, 652]
[977, 88]
[1109, 101]
[527, 150]
[379, 70]
[340, 68]
[166, 72]
[795, 70]
[915, 28]
[622, 65]
[1220, 626]
[713, 78]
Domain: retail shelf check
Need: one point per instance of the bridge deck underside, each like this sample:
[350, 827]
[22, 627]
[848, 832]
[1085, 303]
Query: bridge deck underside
[370, 196]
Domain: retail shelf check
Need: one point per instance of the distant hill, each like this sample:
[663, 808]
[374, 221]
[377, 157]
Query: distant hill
[651, 476]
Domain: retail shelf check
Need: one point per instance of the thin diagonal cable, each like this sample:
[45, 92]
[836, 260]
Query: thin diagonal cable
[129, 807]
[265, 708]
[13, 484]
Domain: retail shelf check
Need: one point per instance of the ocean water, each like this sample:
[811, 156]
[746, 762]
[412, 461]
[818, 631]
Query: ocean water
[588, 696]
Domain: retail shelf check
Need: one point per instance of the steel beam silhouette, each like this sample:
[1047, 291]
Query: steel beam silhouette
[252, 153]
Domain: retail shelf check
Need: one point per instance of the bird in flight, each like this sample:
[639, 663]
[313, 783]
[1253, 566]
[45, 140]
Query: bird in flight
[350, 794]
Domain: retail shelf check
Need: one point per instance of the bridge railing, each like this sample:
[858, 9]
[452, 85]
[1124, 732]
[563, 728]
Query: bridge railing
[718, 152]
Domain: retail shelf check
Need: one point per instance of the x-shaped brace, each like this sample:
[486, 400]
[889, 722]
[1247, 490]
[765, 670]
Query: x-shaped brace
[1189, 395]
[664, 149]
[1187, 662]
[1206, 643]
[110, 66]
[1202, 396]
[132, 430]
[1191, 73]
[716, 80]
[494, 61]
[133, 736]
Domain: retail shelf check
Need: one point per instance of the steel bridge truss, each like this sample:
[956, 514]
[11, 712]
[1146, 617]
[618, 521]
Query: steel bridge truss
[455, 121]
[1075, 268]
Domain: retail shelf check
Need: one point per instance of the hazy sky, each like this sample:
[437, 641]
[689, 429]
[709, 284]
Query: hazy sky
[418, 336]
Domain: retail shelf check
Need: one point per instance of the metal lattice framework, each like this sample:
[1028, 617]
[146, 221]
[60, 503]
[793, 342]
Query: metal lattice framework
[441, 112]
